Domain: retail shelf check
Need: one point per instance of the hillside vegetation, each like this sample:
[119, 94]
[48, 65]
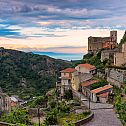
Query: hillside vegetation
[27, 74]
[123, 40]
[92, 59]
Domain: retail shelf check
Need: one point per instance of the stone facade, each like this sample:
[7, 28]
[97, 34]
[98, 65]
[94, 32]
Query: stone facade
[120, 56]
[115, 76]
[5, 102]
[109, 55]
[97, 43]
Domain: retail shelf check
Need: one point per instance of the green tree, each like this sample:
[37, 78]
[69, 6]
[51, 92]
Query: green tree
[124, 90]
[123, 40]
[51, 118]
[118, 103]
[68, 94]
[17, 116]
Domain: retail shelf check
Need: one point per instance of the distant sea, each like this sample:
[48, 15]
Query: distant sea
[64, 56]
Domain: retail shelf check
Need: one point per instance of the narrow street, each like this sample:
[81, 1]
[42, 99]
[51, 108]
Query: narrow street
[104, 114]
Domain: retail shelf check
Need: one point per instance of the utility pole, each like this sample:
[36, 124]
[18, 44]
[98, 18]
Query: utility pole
[79, 75]
[80, 98]
[39, 115]
[89, 100]
[56, 88]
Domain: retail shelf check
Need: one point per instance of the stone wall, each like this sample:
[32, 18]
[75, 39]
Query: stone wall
[109, 54]
[83, 121]
[115, 76]
[97, 43]
[7, 124]
[119, 58]
[104, 55]
[101, 75]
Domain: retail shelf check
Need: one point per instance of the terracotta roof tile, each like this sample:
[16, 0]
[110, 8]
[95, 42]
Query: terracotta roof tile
[97, 90]
[68, 70]
[89, 66]
[104, 95]
[89, 82]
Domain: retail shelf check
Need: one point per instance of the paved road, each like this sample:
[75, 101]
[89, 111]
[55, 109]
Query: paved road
[104, 114]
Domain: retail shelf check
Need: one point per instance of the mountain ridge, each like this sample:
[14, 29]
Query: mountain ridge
[28, 74]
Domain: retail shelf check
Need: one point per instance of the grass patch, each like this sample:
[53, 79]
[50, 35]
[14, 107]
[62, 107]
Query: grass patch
[72, 118]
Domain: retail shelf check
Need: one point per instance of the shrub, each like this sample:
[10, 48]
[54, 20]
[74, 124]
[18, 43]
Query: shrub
[68, 95]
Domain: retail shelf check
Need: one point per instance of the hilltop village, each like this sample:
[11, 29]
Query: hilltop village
[83, 76]
[96, 84]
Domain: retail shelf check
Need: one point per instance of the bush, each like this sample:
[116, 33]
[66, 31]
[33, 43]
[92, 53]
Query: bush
[17, 116]
[98, 84]
[51, 119]
[68, 95]
[52, 104]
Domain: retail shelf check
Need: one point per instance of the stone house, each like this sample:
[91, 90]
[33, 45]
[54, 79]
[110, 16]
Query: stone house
[86, 86]
[96, 95]
[5, 102]
[97, 43]
[86, 68]
[101, 94]
[71, 79]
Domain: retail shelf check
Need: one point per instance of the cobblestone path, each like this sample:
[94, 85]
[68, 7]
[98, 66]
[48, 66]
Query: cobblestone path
[104, 114]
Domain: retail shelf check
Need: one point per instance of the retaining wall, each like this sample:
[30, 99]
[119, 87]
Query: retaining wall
[83, 121]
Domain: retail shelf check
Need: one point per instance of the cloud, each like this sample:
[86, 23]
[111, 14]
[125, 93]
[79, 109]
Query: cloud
[72, 12]
[76, 41]
[40, 24]
[64, 49]
[9, 32]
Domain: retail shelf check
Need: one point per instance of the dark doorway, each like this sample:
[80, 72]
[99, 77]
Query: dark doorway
[98, 100]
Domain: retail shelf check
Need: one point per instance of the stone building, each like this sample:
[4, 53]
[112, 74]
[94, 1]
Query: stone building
[86, 68]
[66, 77]
[101, 94]
[5, 102]
[120, 56]
[86, 86]
[97, 43]
[96, 95]
[71, 79]
[108, 54]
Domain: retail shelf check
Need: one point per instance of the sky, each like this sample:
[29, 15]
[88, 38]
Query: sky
[59, 26]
